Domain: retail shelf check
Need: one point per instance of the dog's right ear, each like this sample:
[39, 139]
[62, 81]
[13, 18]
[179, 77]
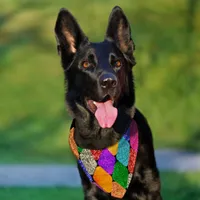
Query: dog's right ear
[69, 36]
[119, 31]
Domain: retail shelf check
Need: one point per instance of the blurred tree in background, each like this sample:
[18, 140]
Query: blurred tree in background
[33, 121]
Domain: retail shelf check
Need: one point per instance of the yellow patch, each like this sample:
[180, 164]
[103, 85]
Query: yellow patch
[113, 149]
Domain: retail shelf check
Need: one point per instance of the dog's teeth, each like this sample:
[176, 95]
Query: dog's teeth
[94, 102]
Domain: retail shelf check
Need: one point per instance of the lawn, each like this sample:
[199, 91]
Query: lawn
[184, 186]
[34, 124]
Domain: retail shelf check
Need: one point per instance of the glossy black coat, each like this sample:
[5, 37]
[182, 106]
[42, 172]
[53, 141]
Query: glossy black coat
[84, 84]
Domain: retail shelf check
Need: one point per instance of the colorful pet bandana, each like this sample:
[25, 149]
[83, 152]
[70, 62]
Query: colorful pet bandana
[111, 169]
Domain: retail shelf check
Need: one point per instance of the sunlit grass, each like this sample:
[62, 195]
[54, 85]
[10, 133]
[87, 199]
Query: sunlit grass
[34, 124]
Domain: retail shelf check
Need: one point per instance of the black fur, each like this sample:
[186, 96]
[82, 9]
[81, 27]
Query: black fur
[84, 84]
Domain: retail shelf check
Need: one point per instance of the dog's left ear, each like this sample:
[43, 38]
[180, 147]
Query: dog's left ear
[119, 31]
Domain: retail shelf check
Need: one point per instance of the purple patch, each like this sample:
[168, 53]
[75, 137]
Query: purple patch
[107, 161]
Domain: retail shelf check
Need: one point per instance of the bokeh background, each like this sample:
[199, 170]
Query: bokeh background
[34, 123]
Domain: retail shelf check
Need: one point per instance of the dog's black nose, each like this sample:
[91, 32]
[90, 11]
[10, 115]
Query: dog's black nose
[108, 81]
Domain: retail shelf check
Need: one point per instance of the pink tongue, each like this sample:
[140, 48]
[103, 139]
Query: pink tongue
[106, 114]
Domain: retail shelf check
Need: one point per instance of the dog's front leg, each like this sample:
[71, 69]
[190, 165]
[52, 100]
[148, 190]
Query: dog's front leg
[89, 189]
[90, 193]
[90, 198]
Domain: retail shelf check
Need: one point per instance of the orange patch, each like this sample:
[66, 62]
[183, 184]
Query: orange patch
[72, 143]
[103, 179]
[117, 190]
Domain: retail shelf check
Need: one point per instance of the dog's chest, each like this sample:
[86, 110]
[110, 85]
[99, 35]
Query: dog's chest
[111, 169]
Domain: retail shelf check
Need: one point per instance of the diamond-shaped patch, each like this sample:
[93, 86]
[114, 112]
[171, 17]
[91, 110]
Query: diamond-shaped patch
[120, 174]
[96, 154]
[126, 136]
[129, 179]
[132, 159]
[80, 149]
[88, 160]
[103, 179]
[117, 190]
[107, 161]
[123, 152]
[84, 169]
[113, 149]
[133, 136]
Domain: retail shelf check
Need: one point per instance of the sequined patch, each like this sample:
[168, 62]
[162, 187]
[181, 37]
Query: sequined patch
[132, 159]
[134, 136]
[72, 143]
[126, 136]
[85, 170]
[96, 154]
[107, 161]
[117, 190]
[113, 149]
[129, 179]
[80, 149]
[120, 174]
[123, 152]
[88, 160]
[103, 179]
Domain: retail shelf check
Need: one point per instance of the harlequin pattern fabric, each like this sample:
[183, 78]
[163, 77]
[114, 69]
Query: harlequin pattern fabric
[111, 169]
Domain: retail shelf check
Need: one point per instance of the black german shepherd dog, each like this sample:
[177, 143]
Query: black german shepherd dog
[101, 98]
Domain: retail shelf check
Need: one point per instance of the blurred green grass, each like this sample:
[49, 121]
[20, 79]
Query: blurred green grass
[177, 186]
[33, 120]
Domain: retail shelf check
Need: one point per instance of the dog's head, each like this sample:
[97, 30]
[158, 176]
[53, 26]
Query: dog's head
[98, 75]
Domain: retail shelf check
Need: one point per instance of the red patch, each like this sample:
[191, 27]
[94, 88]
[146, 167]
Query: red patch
[96, 154]
[132, 159]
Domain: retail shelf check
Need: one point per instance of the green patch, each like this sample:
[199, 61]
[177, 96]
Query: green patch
[80, 149]
[120, 174]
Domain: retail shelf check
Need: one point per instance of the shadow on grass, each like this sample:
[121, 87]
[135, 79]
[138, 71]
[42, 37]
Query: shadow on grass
[32, 140]
[174, 187]
[41, 193]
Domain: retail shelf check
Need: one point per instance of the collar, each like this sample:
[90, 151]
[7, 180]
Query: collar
[111, 169]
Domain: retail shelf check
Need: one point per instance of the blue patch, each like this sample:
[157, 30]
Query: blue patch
[123, 152]
[126, 136]
[84, 169]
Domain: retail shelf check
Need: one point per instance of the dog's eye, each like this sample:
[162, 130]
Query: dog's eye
[118, 63]
[85, 64]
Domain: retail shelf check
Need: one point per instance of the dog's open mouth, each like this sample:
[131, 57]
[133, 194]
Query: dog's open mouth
[92, 105]
[104, 111]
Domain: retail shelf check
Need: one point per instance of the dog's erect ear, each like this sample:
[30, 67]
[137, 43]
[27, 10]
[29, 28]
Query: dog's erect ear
[68, 34]
[119, 31]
